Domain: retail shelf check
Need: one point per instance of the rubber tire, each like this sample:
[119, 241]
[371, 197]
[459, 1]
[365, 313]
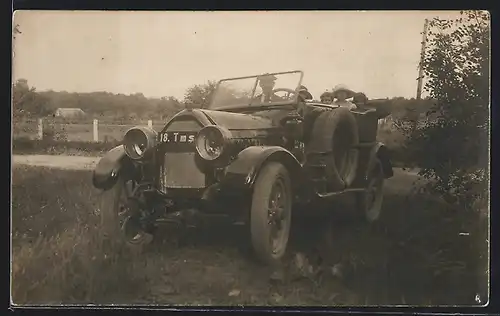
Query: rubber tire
[322, 141]
[363, 212]
[259, 227]
[110, 225]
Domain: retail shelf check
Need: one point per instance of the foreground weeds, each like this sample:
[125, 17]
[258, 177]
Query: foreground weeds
[419, 253]
[58, 253]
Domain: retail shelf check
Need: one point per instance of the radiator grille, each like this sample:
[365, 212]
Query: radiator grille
[180, 171]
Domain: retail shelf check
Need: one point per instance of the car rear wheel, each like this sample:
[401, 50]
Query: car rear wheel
[369, 202]
[270, 215]
[119, 221]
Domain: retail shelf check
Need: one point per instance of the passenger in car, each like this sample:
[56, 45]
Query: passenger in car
[326, 97]
[267, 83]
[341, 93]
[304, 94]
[360, 99]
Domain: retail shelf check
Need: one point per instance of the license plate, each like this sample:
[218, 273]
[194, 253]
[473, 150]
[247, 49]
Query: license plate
[177, 137]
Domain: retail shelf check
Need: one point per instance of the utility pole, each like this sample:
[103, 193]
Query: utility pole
[420, 66]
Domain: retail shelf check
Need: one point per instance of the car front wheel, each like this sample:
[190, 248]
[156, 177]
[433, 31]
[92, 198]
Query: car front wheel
[119, 221]
[270, 216]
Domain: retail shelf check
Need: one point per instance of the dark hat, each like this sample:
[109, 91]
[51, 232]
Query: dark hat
[267, 77]
[360, 97]
[306, 95]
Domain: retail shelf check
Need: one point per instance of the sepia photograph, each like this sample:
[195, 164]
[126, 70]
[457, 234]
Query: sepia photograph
[250, 158]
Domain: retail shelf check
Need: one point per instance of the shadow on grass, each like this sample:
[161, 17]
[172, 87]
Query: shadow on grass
[419, 253]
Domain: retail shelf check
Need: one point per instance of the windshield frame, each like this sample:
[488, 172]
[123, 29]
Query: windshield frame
[257, 105]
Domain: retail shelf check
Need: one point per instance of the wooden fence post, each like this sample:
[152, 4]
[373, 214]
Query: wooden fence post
[40, 128]
[150, 123]
[96, 131]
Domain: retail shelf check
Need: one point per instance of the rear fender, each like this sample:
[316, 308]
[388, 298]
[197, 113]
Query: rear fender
[108, 168]
[381, 152]
[243, 171]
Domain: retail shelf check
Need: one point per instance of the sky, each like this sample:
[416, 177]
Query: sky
[163, 53]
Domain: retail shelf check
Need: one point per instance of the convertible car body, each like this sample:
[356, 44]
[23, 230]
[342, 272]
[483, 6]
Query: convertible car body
[253, 155]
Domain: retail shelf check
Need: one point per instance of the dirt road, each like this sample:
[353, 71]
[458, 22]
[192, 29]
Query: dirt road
[84, 163]
[401, 182]
[54, 161]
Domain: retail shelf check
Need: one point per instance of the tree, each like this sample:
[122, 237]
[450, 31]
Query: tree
[26, 101]
[168, 106]
[200, 95]
[452, 149]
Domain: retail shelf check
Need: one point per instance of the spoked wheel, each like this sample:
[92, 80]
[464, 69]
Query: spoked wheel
[120, 219]
[270, 216]
[369, 202]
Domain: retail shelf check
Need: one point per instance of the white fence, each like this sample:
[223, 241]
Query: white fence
[95, 130]
[84, 131]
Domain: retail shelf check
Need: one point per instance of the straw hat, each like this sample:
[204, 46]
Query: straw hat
[342, 87]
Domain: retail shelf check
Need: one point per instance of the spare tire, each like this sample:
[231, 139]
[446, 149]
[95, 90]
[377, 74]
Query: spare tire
[333, 141]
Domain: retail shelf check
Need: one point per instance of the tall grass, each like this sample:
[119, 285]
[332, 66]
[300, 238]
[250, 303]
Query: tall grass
[58, 250]
[420, 252]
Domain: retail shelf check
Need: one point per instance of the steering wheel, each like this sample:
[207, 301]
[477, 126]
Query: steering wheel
[288, 92]
[287, 96]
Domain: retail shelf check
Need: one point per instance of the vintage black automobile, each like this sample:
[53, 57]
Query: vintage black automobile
[257, 152]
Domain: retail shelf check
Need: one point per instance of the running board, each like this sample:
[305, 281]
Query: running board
[327, 195]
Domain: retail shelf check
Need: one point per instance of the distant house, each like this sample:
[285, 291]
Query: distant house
[69, 112]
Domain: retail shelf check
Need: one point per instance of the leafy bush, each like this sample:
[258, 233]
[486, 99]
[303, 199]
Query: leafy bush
[55, 132]
[451, 145]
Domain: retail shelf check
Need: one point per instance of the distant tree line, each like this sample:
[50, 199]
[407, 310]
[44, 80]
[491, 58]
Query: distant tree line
[28, 102]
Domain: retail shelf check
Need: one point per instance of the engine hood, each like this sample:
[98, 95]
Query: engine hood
[238, 121]
[229, 120]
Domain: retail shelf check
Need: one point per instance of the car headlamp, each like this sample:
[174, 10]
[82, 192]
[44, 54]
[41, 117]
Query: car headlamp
[211, 142]
[138, 141]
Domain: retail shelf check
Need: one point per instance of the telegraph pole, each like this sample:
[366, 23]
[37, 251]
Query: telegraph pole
[420, 66]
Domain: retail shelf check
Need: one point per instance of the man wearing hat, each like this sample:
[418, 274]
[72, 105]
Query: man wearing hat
[267, 83]
[360, 99]
[341, 93]
[304, 94]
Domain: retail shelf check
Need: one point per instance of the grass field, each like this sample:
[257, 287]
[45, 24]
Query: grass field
[75, 131]
[415, 255]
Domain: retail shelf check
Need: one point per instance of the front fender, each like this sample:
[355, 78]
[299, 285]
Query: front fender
[243, 171]
[381, 152]
[106, 172]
